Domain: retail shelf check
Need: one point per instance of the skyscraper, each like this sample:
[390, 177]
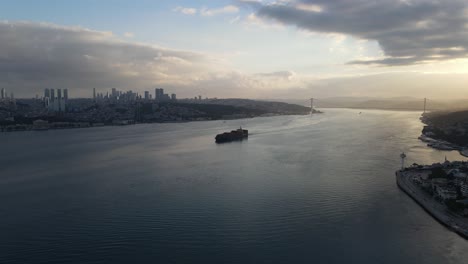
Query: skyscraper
[3, 94]
[65, 94]
[58, 107]
[147, 95]
[94, 94]
[46, 93]
[159, 94]
[52, 95]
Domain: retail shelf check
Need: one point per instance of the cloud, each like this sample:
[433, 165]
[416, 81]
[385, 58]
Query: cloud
[129, 35]
[186, 10]
[409, 32]
[253, 20]
[229, 9]
[39, 55]
[285, 75]
[234, 20]
[34, 56]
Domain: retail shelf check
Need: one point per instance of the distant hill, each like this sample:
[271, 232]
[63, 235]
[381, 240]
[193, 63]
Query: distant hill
[257, 105]
[396, 103]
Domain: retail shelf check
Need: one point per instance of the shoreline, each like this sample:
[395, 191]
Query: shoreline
[425, 201]
[30, 128]
[442, 145]
[437, 143]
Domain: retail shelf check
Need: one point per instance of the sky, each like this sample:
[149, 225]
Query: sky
[237, 48]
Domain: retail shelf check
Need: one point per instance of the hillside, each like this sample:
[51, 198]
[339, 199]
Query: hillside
[448, 126]
[256, 105]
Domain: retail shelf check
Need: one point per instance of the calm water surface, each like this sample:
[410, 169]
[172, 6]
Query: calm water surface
[302, 189]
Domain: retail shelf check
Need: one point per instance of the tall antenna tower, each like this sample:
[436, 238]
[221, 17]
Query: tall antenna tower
[311, 105]
[403, 157]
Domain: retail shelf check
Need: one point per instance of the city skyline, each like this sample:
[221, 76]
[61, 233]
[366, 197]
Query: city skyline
[252, 49]
[96, 94]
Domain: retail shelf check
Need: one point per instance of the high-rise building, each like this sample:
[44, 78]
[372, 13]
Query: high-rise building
[52, 95]
[58, 102]
[94, 94]
[114, 93]
[147, 95]
[159, 94]
[3, 94]
[173, 97]
[46, 101]
[46, 93]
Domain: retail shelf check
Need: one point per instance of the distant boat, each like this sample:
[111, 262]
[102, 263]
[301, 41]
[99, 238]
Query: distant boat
[234, 135]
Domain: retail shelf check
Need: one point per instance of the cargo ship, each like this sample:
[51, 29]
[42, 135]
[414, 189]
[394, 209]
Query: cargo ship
[234, 135]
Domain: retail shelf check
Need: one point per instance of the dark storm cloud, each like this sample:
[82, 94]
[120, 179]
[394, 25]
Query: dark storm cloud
[409, 32]
[37, 55]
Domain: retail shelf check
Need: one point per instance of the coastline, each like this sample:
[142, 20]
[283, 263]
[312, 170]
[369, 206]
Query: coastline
[432, 141]
[442, 145]
[439, 213]
[76, 125]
